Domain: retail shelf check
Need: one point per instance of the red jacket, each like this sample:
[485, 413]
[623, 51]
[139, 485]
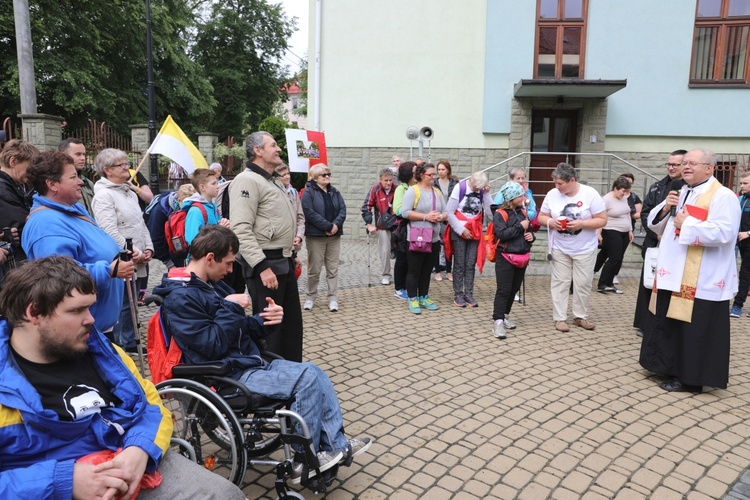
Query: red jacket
[382, 202]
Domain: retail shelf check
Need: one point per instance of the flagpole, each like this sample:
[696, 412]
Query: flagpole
[154, 180]
[143, 160]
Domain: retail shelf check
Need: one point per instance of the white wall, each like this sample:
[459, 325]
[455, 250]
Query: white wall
[386, 66]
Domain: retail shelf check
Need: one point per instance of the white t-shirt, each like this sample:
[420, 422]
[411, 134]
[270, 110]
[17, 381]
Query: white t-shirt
[584, 205]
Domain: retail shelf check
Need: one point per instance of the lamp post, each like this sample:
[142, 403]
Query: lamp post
[154, 180]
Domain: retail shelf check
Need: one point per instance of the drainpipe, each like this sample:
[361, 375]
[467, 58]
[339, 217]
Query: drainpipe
[316, 98]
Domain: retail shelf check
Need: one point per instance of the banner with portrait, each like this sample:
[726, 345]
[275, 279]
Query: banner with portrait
[305, 148]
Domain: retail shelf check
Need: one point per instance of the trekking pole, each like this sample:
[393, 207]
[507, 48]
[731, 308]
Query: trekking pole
[369, 277]
[125, 256]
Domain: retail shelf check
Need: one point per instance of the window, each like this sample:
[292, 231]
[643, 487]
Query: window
[560, 38]
[720, 43]
[295, 102]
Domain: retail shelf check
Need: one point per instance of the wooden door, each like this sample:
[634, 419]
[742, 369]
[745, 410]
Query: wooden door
[554, 132]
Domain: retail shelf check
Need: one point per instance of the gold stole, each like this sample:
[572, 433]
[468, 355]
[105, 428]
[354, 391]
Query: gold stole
[681, 303]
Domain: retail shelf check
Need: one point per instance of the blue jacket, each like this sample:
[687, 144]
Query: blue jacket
[61, 230]
[194, 220]
[207, 327]
[313, 204]
[157, 214]
[38, 450]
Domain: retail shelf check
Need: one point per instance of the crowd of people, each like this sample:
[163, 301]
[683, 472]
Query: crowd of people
[84, 243]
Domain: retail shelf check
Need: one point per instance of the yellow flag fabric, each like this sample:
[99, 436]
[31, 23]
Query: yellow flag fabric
[175, 145]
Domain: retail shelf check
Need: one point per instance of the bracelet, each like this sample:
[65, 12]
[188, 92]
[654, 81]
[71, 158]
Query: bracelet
[114, 271]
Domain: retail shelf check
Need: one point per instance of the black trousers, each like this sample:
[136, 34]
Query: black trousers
[509, 278]
[286, 338]
[609, 259]
[744, 277]
[400, 268]
[420, 269]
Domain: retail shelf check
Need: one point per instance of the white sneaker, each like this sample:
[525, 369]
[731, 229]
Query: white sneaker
[385, 281]
[615, 281]
[326, 460]
[517, 299]
[309, 304]
[507, 323]
[498, 330]
[333, 306]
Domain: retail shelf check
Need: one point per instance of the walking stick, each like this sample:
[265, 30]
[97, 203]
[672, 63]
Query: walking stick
[369, 277]
[132, 297]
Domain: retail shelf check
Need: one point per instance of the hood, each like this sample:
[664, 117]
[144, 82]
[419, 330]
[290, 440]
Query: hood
[196, 197]
[178, 278]
[77, 209]
[105, 183]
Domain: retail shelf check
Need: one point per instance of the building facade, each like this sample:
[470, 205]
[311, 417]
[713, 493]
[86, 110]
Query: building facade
[498, 78]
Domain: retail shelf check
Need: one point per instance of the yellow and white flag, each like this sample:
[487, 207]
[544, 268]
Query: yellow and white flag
[175, 145]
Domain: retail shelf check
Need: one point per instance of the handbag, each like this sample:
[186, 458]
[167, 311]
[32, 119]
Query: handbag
[519, 260]
[649, 267]
[387, 221]
[420, 238]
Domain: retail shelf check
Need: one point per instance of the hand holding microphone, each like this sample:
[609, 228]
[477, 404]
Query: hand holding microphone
[675, 187]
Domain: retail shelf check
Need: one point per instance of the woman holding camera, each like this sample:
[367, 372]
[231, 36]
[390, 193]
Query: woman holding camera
[59, 225]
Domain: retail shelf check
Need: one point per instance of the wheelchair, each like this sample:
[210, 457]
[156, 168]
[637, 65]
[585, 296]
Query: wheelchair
[220, 424]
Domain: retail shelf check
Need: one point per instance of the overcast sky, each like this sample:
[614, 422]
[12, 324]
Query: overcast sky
[298, 41]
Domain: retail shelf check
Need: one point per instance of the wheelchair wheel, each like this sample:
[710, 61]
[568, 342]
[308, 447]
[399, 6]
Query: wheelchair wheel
[205, 428]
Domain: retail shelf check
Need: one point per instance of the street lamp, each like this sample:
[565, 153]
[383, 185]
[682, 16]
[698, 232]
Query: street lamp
[154, 180]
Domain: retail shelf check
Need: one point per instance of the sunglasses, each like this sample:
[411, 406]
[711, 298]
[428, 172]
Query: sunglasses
[325, 175]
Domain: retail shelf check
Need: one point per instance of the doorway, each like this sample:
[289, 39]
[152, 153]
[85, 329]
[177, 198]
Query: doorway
[551, 131]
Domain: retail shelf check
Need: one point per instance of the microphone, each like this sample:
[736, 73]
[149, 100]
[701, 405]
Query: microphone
[675, 186]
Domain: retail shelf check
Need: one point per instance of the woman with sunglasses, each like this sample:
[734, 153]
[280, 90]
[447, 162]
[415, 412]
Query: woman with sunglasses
[424, 207]
[325, 213]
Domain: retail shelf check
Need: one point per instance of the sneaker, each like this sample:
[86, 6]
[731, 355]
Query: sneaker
[517, 299]
[326, 460]
[142, 297]
[498, 329]
[414, 306]
[309, 305]
[748, 314]
[459, 301]
[470, 300]
[385, 281]
[562, 326]
[584, 323]
[639, 332]
[449, 276]
[428, 304]
[508, 323]
[333, 306]
[615, 281]
[438, 277]
[359, 446]
[400, 294]
[609, 289]
[736, 312]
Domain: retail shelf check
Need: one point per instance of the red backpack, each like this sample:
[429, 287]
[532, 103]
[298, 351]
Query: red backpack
[489, 238]
[174, 229]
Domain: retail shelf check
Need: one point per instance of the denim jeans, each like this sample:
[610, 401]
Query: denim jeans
[314, 400]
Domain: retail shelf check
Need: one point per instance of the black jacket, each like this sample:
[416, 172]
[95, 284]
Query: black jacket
[510, 233]
[745, 218]
[313, 204]
[656, 194]
[15, 204]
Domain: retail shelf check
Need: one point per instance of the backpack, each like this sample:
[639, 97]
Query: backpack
[490, 242]
[174, 229]
[161, 198]
[164, 353]
[222, 199]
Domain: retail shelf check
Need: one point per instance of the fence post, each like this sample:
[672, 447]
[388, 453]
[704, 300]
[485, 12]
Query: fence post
[206, 143]
[43, 131]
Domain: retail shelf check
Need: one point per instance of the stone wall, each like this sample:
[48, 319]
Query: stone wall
[43, 131]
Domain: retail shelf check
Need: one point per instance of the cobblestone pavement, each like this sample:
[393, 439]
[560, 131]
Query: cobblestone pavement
[456, 413]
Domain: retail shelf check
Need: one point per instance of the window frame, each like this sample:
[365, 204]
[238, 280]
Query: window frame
[723, 22]
[560, 23]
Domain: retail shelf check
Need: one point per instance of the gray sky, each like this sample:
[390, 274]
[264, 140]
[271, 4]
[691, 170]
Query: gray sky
[298, 41]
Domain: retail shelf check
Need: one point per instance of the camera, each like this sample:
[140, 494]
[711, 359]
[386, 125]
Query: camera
[4, 245]
[7, 235]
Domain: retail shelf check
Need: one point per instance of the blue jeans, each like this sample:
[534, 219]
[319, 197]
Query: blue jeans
[124, 331]
[314, 398]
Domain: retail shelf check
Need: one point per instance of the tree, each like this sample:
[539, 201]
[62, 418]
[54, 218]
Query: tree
[90, 59]
[302, 82]
[239, 46]
[277, 128]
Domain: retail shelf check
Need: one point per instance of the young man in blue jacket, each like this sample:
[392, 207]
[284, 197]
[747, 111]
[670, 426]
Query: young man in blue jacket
[209, 324]
[66, 392]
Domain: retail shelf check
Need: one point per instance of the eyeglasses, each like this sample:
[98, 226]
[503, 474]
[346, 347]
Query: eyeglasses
[325, 175]
[120, 165]
[694, 163]
[672, 165]
[429, 175]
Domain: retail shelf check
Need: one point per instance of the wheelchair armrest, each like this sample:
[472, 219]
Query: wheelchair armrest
[208, 369]
[153, 299]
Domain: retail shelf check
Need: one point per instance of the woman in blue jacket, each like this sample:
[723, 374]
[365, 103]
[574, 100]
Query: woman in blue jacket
[59, 225]
[325, 213]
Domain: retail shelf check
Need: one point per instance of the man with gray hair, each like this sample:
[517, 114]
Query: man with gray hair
[264, 220]
[687, 337]
[380, 200]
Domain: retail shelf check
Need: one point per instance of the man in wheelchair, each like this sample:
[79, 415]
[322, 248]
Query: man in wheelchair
[209, 324]
[76, 418]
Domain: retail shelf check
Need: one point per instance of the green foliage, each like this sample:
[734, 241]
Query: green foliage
[215, 62]
[239, 46]
[302, 82]
[222, 151]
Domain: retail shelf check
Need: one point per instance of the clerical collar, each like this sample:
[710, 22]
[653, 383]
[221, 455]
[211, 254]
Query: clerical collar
[699, 184]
